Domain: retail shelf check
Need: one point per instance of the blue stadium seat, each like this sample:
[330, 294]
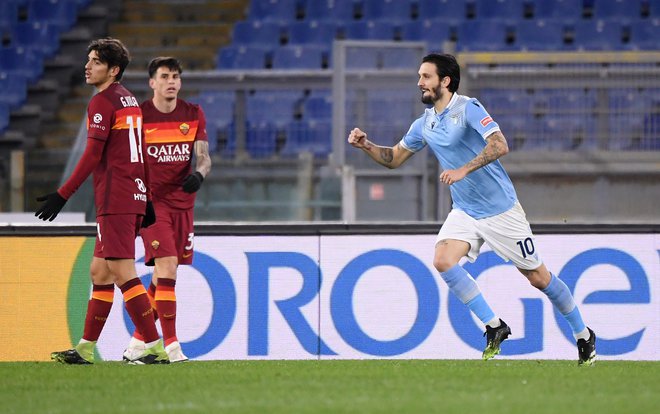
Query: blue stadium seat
[14, 89]
[400, 10]
[22, 61]
[341, 10]
[483, 35]
[257, 33]
[448, 9]
[363, 58]
[312, 32]
[432, 31]
[299, 57]
[617, 9]
[597, 35]
[8, 14]
[40, 36]
[242, 57]
[4, 116]
[564, 10]
[539, 34]
[61, 13]
[275, 107]
[625, 131]
[499, 9]
[318, 106]
[314, 136]
[401, 58]
[261, 138]
[644, 34]
[369, 30]
[219, 110]
[273, 10]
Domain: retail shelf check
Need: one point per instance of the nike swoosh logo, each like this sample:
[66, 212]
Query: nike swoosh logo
[149, 131]
[185, 256]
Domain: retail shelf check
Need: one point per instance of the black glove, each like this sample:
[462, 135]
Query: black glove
[149, 215]
[52, 206]
[192, 182]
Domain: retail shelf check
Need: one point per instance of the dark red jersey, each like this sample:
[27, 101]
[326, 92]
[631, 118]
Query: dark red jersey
[170, 139]
[115, 118]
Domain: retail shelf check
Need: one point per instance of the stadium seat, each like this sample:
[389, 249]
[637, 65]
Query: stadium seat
[564, 10]
[242, 57]
[369, 30]
[61, 13]
[273, 10]
[499, 9]
[597, 35]
[300, 57]
[400, 58]
[488, 35]
[22, 61]
[261, 139]
[340, 10]
[312, 32]
[318, 106]
[276, 107]
[400, 10]
[432, 31]
[40, 36]
[8, 14]
[617, 9]
[447, 9]
[625, 131]
[314, 136]
[545, 35]
[14, 89]
[644, 34]
[363, 58]
[257, 33]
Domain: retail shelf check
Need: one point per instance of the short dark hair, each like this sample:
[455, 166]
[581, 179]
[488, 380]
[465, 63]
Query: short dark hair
[445, 65]
[167, 61]
[112, 52]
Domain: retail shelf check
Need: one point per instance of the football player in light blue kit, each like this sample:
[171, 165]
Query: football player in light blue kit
[468, 142]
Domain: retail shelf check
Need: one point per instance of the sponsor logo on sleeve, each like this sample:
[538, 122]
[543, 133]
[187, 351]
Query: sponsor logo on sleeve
[487, 120]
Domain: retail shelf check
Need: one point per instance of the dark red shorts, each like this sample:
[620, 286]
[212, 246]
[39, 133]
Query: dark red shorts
[171, 235]
[115, 236]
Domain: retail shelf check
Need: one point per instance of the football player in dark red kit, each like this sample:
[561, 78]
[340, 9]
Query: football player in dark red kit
[174, 131]
[115, 154]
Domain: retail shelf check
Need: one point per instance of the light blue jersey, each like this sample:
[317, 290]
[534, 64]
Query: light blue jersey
[457, 136]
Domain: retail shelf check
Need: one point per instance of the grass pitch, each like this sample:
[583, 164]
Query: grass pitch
[372, 386]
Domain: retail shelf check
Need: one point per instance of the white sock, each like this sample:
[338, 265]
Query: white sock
[494, 323]
[584, 334]
[152, 344]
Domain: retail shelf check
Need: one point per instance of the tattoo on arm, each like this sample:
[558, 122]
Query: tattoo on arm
[201, 149]
[386, 155]
[496, 146]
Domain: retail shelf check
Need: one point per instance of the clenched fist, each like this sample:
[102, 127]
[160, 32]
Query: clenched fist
[358, 138]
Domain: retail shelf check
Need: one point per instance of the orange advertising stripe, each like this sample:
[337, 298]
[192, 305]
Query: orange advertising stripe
[133, 292]
[169, 296]
[121, 117]
[105, 296]
[169, 135]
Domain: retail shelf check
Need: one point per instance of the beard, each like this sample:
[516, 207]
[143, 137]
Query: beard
[431, 99]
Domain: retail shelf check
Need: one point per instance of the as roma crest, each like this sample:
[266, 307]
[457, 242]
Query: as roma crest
[184, 128]
[155, 244]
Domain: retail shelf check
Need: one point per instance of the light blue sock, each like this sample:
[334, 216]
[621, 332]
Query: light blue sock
[466, 289]
[561, 298]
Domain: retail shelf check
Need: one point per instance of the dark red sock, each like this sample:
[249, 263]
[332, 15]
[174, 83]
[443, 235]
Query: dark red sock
[166, 305]
[151, 293]
[98, 309]
[139, 309]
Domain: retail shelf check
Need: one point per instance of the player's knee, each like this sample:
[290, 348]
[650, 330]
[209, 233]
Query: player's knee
[443, 263]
